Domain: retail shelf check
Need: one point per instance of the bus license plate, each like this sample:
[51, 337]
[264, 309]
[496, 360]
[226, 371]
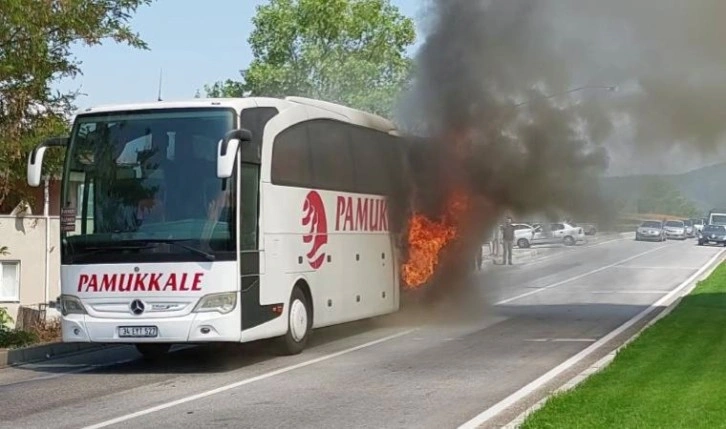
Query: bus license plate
[138, 331]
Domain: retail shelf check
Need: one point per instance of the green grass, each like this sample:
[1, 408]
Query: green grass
[672, 376]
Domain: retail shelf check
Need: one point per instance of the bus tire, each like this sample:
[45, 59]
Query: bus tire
[153, 352]
[299, 324]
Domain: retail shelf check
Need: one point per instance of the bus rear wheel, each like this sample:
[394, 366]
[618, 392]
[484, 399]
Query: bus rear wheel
[299, 324]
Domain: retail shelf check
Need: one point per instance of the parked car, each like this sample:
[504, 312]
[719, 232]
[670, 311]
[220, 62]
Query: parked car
[712, 234]
[650, 230]
[698, 224]
[555, 233]
[523, 235]
[588, 228]
[675, 229]
[690, 231]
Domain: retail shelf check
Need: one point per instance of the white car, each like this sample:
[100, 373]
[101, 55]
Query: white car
[675, 229]
[698, 225]
[554, 233]
[523, 235]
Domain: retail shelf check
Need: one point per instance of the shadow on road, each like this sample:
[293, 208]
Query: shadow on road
[204, 358]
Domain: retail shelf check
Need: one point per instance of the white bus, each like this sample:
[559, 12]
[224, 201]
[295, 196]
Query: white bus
[224, 220]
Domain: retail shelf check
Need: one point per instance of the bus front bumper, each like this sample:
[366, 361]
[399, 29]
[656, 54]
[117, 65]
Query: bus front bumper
[191, 328]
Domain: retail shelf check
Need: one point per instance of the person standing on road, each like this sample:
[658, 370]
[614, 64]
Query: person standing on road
[508, 241]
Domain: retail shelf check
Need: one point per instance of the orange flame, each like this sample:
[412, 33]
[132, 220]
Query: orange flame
[426, 239]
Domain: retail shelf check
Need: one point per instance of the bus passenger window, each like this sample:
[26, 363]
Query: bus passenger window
[372, 174]
[291, 157]
[332, 159]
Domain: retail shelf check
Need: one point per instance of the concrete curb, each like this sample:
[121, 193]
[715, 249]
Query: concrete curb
[607, 359]
[41, 352]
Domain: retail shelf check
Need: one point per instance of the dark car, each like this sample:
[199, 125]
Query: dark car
[712, 234]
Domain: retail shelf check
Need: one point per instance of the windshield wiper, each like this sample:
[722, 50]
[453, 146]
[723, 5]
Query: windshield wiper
[198, 251]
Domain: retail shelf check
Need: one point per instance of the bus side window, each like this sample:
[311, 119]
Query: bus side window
[372, 175]
[291, 157]
[332, 159]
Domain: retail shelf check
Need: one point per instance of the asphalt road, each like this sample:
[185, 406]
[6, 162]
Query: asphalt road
[429, 368]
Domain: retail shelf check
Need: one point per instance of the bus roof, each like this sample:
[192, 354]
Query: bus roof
[354, 116]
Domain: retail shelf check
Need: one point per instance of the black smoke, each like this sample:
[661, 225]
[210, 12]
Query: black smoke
[529, 103]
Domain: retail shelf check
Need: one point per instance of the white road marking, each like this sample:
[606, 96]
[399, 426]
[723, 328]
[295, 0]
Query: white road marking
[589, 273]
[243, 382]
[520, 394]
[634, 292]
[640, 267]
[561, 340]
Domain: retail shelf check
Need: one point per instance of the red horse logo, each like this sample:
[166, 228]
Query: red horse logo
[314, 218]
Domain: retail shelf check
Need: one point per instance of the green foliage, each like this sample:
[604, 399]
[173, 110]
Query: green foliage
[4, 250]
[661, 196]
[347, 51]
[13, 338]
[5, 319]
[35, 50]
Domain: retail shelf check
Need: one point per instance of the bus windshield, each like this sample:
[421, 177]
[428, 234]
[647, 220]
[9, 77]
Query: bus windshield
[142, 186]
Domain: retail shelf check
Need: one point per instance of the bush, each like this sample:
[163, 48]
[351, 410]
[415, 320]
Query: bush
[13, 338]
[47, 331]
[42, 332]
[5, 319]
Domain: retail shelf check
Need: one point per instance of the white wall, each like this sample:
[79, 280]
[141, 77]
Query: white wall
[25, 238]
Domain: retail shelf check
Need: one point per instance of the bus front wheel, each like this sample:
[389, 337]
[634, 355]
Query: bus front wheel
[299, 324]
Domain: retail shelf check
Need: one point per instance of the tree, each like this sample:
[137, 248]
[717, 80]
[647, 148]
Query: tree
[662, 197]
[35, 50]
[347, 51]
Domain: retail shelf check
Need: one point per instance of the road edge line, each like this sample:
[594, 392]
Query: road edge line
[685, 287]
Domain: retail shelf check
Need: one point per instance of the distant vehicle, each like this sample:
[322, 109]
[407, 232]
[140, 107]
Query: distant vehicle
[690, 231]
[675, 229]
[588, 228]
[561, 232]
[717, 217]
[698, 224]
[523, 235]
[712, 234]
[650, 230]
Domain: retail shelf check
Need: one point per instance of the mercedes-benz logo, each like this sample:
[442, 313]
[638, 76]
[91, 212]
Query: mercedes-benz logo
[137, 307]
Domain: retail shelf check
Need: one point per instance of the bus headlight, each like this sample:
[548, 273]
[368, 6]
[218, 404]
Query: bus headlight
[220, 302]
[71, 305]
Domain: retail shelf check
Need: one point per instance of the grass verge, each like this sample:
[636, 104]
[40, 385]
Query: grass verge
[672, 376]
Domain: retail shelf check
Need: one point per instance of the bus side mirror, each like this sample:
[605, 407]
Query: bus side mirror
[227, 151]
[35, 159]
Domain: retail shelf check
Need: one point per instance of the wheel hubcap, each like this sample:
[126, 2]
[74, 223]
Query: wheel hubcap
[298, 320]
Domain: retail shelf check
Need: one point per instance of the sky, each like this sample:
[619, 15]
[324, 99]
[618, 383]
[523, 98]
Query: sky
[191, 43]
[194, 44]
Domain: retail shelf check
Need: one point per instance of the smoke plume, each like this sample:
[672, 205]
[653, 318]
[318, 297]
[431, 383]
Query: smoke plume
[515, 98]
